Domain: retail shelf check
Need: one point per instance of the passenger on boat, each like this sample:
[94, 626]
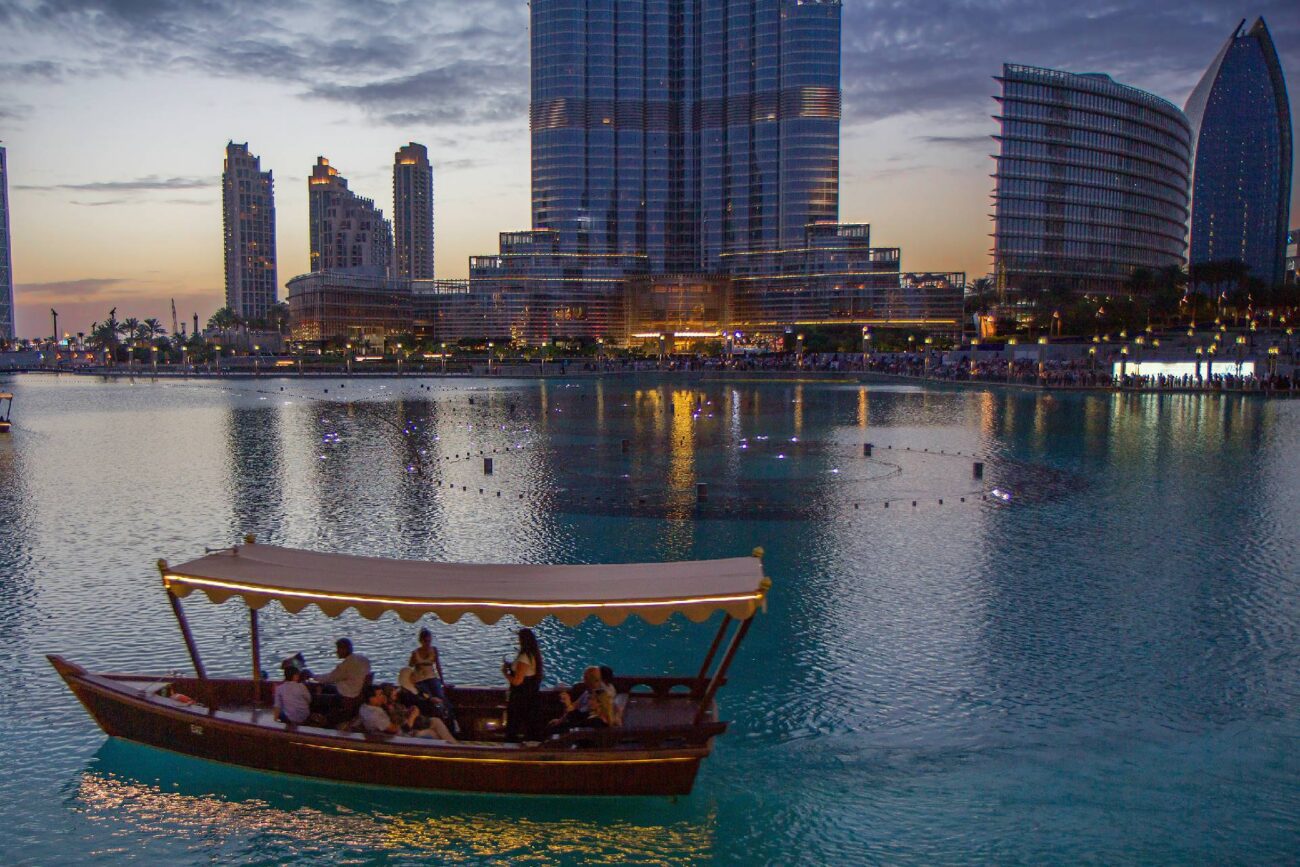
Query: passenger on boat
[381, 715]
[349, 676]
[292, 702]
[523, 705]
[593, 708]
[409, 696]
[607, 675]
[427, 667]
[340, 689]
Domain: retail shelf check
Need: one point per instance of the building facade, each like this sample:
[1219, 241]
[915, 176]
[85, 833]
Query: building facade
[413, 212]
[348, 233]
[684, 129]
[1241, 181]
[8, 315]
[248, 210]
[1091, 182]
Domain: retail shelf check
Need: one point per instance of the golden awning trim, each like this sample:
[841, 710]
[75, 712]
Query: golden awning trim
[259, 574]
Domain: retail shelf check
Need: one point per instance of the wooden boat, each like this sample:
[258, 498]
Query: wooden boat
[669, 721]
[6, 409]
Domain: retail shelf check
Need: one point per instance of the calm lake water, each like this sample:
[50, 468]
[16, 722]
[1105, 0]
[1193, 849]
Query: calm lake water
[1102, 667]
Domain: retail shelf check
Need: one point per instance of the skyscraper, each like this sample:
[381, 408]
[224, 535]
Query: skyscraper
[348, 233]
[1241, 178]
[1091, 180]
[6, 270]
[684, 129]
[248, 208]
[413, 212]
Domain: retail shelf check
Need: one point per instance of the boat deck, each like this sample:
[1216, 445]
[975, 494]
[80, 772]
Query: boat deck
[480, 712]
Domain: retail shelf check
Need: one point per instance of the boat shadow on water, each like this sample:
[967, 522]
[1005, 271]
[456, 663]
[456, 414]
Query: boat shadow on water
[197, 804]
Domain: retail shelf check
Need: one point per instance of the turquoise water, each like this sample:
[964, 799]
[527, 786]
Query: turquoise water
[1102, 667]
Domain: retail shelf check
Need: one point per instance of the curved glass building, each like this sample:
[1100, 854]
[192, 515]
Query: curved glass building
[1092, 182]
[1241, 182]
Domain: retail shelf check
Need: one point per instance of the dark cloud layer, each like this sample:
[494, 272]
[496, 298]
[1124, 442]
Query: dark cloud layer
[75, 290]
[444, 63]
[137, 185]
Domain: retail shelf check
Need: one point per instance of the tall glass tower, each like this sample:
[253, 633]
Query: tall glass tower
[6, 271]
[1241, 177]
[248, 206]
[413, 212]
[684, 129]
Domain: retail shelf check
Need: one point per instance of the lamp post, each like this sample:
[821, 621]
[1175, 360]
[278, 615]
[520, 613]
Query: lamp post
[489, 354]
[1092, 360]
[1011, 357]
[218, 348]
[257, 351]
[349, 359]
[866, 345]
[1123, 364]
[929, 342]
[1042, 360]
[1199, 355]
[444, 359]
[1241, 353]
[799, 349]
[399, 359]
[974, 347]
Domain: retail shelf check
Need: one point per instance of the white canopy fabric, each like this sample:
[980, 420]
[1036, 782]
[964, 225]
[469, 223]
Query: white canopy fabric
[372, 585]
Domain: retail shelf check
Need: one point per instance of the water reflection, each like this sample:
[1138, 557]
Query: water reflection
[277, 818]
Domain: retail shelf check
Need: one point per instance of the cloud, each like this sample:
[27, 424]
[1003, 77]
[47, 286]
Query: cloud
[70, 290]
[152, 183]
[398, 62]
[957, 140]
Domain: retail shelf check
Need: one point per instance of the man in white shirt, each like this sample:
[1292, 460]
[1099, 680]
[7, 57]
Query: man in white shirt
[292, 698]
[349, 676]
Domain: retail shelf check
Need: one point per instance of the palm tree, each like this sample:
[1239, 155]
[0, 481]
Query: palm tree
[151, 329]
[224, 319]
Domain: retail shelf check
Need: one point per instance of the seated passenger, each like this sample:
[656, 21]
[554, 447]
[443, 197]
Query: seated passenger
[594, 707]
[373, 716]
[349, 676]
[292, 702]
[409, 695]
[607, 675]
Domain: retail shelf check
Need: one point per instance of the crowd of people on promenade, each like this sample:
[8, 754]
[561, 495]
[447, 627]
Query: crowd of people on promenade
[418, 703]
[960, 367]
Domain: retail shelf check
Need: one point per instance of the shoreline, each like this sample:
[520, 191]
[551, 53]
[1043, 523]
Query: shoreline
[707, 373]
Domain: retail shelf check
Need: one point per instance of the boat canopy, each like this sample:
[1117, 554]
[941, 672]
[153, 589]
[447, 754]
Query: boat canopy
[373, 585]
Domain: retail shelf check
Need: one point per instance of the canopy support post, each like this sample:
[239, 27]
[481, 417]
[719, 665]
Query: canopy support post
[189, 637]
[257, 655]
[713, 648]
[718, 675]
[184, 624]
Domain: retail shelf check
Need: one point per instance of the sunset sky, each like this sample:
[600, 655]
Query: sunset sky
[115, 114]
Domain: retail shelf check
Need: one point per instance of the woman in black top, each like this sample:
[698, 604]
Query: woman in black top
[523, 707]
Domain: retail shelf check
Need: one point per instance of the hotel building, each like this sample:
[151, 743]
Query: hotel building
[7, 311]
[1241, 179]
[248, 209]
[1091, 182]
[348, 233]
[413, 212]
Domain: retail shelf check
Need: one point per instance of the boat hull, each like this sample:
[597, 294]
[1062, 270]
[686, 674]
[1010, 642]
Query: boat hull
[125, 711]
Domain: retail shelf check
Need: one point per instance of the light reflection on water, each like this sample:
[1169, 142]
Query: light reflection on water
[1103, 668]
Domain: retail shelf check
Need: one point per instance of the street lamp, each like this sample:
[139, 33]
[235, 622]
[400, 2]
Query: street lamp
[444, 359]
[218, 348]
[490, 344]
[399, 359]
[974, 347]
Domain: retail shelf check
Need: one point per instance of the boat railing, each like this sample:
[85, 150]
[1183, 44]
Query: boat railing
[641, 738]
